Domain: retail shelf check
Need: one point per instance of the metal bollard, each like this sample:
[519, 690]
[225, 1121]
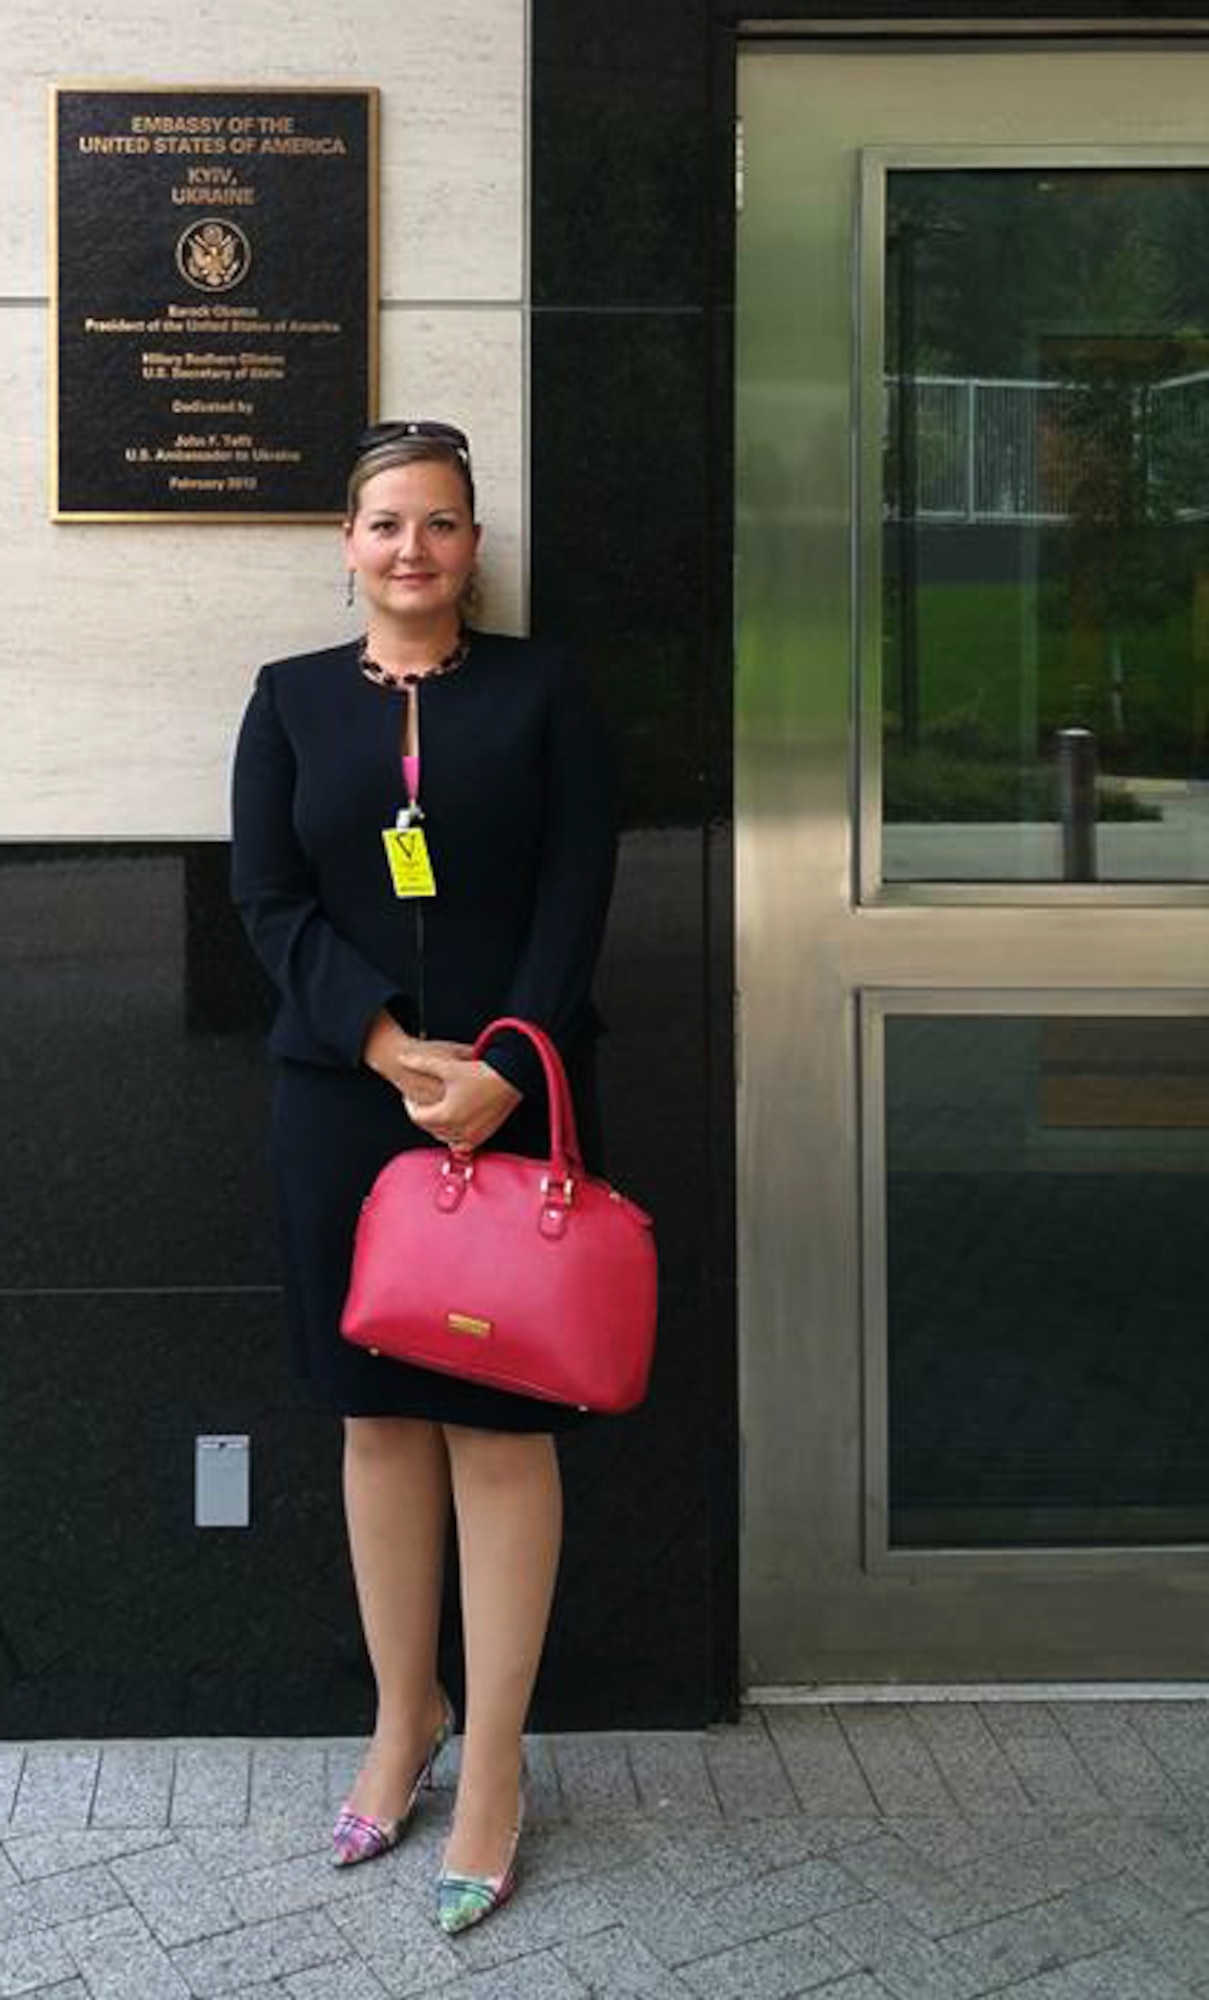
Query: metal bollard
[1077, 768]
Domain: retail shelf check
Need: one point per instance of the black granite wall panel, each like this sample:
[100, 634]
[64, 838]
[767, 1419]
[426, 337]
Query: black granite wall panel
[627, 433]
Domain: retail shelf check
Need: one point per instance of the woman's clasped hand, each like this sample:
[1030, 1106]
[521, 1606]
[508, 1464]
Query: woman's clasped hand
[473, 1104]
[445, 1091]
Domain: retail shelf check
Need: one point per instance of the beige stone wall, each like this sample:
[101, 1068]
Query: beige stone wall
[126, 652]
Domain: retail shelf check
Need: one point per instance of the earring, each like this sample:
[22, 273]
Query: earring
[350, 588]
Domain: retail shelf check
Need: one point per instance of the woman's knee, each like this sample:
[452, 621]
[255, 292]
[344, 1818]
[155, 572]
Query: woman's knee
[501, 1457]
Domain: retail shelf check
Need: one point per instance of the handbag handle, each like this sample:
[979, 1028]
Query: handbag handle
[565, 1159]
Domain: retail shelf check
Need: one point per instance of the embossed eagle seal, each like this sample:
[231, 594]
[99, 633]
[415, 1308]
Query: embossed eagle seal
[213, 256]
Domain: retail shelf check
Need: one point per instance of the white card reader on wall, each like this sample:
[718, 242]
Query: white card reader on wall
[222, 1484]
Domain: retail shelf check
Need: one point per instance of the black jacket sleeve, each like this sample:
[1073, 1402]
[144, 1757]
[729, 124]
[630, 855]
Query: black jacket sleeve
[333, 988]
[551, 984]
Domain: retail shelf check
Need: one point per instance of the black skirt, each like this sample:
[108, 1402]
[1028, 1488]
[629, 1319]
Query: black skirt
[333, 1130]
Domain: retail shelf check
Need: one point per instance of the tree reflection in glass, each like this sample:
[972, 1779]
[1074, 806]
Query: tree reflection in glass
[1046, 521]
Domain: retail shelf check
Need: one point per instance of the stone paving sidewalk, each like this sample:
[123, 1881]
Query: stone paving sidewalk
[1052, 1851]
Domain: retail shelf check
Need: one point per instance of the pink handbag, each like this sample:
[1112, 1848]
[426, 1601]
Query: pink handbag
[522, 1274]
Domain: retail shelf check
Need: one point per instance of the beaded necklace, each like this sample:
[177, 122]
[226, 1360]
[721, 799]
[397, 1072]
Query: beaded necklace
[382, 676]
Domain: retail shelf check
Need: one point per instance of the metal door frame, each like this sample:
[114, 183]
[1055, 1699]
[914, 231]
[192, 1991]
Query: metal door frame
[822, 953]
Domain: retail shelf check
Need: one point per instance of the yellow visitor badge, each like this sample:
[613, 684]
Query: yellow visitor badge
[408, 859]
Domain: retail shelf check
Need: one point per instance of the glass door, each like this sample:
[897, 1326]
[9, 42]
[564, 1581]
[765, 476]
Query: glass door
[973, 820]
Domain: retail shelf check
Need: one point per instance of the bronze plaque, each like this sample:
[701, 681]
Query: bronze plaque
[216, 279]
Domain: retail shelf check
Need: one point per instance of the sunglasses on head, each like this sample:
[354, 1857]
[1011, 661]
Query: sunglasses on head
[415, 427]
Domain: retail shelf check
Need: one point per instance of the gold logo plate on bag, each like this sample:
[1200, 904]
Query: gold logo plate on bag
[467, 1323]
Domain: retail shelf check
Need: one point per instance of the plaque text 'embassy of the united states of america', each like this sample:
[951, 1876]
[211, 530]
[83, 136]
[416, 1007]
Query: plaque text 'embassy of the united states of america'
[216, 294]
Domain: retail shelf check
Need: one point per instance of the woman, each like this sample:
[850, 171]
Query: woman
[488, 747]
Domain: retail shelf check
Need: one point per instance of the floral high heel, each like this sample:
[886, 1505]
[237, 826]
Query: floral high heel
[357, 1837]
[465, 1900]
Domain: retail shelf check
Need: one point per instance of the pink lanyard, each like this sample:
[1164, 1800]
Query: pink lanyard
[410, 814]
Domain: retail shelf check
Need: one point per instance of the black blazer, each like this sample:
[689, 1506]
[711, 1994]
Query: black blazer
[517, 802]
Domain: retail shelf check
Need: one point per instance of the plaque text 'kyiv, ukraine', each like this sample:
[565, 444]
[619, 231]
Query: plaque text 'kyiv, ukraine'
[216, 291]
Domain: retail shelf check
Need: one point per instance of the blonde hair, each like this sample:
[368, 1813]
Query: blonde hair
[405, 451]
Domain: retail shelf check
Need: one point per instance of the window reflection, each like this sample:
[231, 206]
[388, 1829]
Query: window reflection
[1046, 1277]
[1046, 526]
